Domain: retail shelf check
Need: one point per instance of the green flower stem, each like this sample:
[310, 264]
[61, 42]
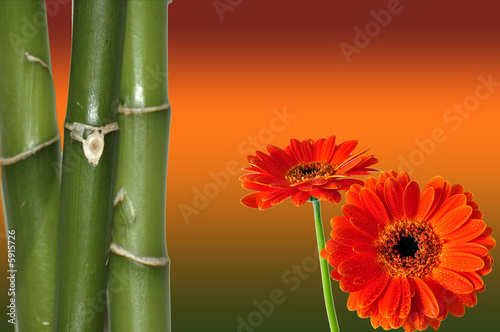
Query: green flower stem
[325, 271]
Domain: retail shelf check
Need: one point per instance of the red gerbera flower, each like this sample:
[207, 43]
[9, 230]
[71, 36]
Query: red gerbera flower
[304, 169]
[409, 257]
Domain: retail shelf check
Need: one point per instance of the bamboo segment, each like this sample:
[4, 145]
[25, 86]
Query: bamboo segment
[139, 283]
[88, 171]
[30, 155]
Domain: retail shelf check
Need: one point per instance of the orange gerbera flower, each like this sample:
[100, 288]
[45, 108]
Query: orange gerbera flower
[408, 257]
[304, 169]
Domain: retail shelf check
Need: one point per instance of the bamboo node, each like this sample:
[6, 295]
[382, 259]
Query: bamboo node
[144, 260]
[33, 58]
[93, 145]
[26, 154]
[120, 196]
[128, 110]
[125, 209]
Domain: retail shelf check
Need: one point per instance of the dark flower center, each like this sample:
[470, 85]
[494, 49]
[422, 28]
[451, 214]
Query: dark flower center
[408, 248]
[308, 171]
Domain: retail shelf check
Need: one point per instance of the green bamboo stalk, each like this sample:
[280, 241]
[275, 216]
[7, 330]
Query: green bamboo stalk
[31, 156]
[88, 179]
[139, 298]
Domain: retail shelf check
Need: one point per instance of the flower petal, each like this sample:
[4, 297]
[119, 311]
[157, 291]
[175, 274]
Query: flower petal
[389, 300]
[471, 248]
[393, 193]
[488, 261]
[338, 253]
[365, 249]
[325, 254]
[346, 183]
[439, 293]
[455, 307]
[379, 191]
[280, 198]
[375, 320]
[484, 271]
[269, 167]
[273, 194]
[435, 182]
[476, 214]
[403, 178]
[352, 301]
[321, 193]
[412, 286]
[485, 239]
[270, 181]
[452, 281]
[349, 236]
[396, 322]
[350, 164]
[474, 279]
[405, 303]
[303, 151]
[452, 220]
[304, 186]
[461, 261]
[364, 277]
[251, 200]
[450, 204]
[456, 189]
[255, 186]
[365, 312]
[372, 291]
[335, 275]
[435, 324]
[326, 150]
[250, 177]
[385, 175]
[425, 203]
[333, 184]
[300, 198]
[348, 285]
[342, 151]
[335, 197]
[411, 197]
[370, 183]
[427, 299]
[409, 324]
[469, 300]
[385, 323]
[469, 231]
[340, 221]
[279, 153]
[361, 220]
[272, 161]
[318, 181]
[358, 265]
[372, 204]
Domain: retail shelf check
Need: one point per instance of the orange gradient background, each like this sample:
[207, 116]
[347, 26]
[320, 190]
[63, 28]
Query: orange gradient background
[227, 80]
